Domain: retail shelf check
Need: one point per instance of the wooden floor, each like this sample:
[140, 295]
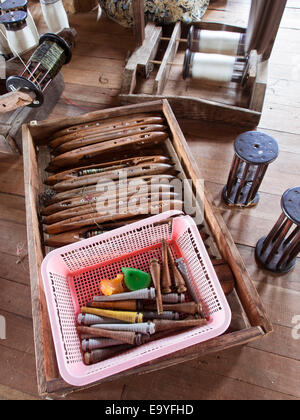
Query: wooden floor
[267, 369]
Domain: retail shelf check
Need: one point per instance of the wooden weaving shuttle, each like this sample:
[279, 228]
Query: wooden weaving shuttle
[111, 135]
[104, 126]
[93, 219]
[103, 167]
[103, 196]
[80, 155]
[115, 175]
[164, 181]
[95, 207]
[68, 238]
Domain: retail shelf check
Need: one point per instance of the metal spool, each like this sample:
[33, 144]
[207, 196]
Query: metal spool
[254, 151]
[233, 43]
[278, 251]
[13, 21]
[45, 63]
[14, 5]
[239, 73]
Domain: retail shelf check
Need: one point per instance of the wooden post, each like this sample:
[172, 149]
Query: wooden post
[264, 21]
[139, 21]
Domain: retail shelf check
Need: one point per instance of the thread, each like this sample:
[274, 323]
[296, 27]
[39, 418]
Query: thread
[98, 343]
[4, 47]
[97, 356]
[149, 315]
[132, 317]
[125, 305]
[89, 319]
[139, 294]
[173, 298]
[55, 15]
[21, 40]
[219, 42]
[182, 267]
[50, 56]
[124, 336]
[213, 67]
[32, 26]
[142, 328]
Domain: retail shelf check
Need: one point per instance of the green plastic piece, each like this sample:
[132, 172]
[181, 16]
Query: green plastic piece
[136, 279]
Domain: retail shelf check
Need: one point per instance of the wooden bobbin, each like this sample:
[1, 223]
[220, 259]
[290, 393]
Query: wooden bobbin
[166, 277]
[155, 275]
[125, 316]
[278, 251]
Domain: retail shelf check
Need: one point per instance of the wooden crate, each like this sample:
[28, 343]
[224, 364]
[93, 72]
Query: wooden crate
[250, 321]
[143, 80]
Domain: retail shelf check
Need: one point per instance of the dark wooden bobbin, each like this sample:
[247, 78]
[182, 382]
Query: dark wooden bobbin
[254, 151]
[278, 251]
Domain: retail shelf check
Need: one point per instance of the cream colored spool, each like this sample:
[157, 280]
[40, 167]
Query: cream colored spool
[4, 47]
[35, 34]
[55, 15]
[219, 42]
[213, 67]
[31, 24]
[22, 40]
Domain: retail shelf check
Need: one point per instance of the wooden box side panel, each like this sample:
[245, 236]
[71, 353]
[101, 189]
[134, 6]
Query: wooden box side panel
[45, 354]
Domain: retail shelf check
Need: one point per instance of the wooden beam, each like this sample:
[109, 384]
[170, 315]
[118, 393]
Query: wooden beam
[165, 68]
[264, 22]
[139, 21]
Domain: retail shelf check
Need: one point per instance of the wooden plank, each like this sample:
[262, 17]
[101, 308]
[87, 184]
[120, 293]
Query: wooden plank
[10, 270]
[196, 108]
[19, 333]
[10, 394]
[46, 366]
[187, 382]
[11, 180]
[140, 59]
[165, 68]
[18, 370]
[15, 298]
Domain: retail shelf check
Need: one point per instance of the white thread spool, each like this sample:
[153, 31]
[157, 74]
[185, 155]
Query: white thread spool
[216, 42]
[31, 24]
[215, 68]
[19, 35]
[29, 20]
[4, 47]
[55, 15]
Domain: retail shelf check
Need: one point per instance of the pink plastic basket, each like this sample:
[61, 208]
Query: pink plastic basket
[71, 277]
